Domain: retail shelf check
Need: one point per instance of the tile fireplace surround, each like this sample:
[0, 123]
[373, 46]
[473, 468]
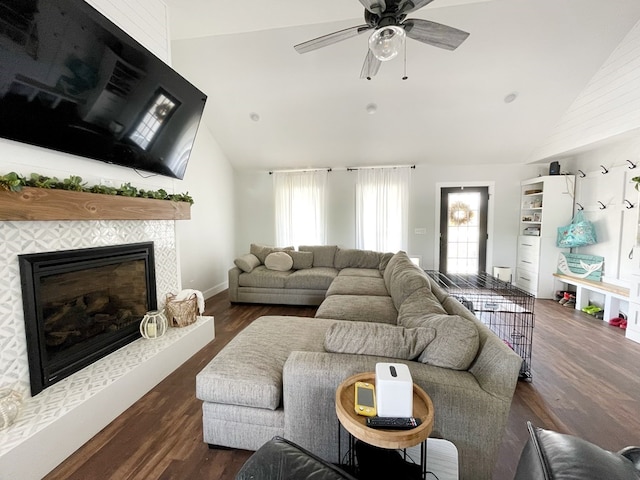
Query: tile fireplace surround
[64, 416]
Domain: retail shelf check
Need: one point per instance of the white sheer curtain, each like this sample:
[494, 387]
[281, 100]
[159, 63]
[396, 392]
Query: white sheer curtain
[382, 205]
[300, 208]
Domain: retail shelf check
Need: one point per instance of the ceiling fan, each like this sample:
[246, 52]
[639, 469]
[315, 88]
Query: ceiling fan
[387, 20]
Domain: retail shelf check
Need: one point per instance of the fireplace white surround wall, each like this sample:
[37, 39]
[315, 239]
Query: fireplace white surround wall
[60, 419]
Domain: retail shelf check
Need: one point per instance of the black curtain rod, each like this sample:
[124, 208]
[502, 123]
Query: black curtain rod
[301, 171]
[349, 169]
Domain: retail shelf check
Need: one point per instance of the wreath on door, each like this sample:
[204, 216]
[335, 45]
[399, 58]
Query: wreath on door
[460, 214]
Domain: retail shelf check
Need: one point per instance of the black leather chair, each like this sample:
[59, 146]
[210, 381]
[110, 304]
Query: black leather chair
[280, 459]
[547, 455]
[551, 455]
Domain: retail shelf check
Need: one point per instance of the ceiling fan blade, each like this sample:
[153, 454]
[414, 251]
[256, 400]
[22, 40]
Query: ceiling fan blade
[371, 66]
[331, 38]
[408, 6]
[375, 6]
[434, 34]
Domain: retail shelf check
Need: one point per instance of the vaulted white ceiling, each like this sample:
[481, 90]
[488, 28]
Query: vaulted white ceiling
[451, 109]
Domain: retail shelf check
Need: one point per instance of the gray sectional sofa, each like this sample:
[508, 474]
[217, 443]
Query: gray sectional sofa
[280, 374]
[313, 270]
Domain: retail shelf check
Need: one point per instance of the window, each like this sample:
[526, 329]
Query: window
[382, 199]
[158, 111]
[300, 207]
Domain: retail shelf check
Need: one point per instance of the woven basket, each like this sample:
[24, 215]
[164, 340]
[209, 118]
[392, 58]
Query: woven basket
[181, 313]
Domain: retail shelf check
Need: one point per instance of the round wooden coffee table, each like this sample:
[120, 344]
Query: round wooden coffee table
[356, 426]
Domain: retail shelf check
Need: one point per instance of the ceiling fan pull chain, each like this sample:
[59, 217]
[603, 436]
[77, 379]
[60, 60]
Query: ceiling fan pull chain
[405, 62]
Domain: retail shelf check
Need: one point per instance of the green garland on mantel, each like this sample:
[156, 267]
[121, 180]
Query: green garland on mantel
[637, 180]
[14, 182]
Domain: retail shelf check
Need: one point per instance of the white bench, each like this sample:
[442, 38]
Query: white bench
[613, 294]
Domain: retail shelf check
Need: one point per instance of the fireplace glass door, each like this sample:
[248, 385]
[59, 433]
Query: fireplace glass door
[81, 305]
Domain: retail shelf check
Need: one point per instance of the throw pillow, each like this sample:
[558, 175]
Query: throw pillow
[261, 251]
[279, 261]
[247, 262]
[301, 260]
[377, 339]
[456, 343]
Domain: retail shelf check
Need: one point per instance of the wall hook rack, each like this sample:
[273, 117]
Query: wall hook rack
[604, 169]
[580, 207]
[582, 174]
[602, 205]
[628, 204]
[632, 165]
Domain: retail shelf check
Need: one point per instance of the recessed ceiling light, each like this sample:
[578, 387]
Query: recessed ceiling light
[511, 97]
[371, 108]
[254, 116]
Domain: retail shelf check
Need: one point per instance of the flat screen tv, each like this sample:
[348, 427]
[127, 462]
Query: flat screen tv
[72, 81]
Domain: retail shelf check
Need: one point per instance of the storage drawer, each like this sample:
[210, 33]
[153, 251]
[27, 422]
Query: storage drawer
[527, 280]
[633, 320]
[528, 242]
[525, 264]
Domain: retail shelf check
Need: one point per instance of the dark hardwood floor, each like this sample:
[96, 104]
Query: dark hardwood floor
[585, 382]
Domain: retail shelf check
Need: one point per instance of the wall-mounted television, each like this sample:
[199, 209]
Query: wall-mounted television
[72, 81]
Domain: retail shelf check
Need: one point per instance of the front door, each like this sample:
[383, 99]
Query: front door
[463, 229]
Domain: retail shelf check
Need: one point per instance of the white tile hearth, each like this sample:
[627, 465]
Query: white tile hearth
[56, 422]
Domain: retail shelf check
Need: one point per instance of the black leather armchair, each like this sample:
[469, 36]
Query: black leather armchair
[280, 459]
[551, 455]
[547, 455]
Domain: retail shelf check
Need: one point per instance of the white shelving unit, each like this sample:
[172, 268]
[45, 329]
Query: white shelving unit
[546, 203]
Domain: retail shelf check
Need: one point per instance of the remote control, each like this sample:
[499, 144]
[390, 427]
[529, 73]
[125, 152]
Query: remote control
[393, 423]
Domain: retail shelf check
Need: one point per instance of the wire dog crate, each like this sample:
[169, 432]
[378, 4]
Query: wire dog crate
[504, 308]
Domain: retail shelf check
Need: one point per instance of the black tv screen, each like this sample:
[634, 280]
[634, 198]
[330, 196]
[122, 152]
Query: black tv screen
[71, 80]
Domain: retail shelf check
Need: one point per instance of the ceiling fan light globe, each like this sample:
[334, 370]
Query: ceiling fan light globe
[386, 42]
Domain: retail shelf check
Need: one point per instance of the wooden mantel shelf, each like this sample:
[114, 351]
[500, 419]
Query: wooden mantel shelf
[52, 204]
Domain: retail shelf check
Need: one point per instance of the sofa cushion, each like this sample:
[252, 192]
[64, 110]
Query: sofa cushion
[348, 285]
[360, 272]
[378, 339]
[278, 261]
[384, 261]
[360, 308]
[351, 257]
[323, 255]
[391, 265]
[301, 260]
[261, 251]
[418, 304]
[247, 262]
[456, 344]
[261, 276]
[406, 279]
[318, 278]
[248, 370]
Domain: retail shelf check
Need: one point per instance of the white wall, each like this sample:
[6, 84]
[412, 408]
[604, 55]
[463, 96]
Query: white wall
[206, 241]
[255, 211]
[608, 106]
